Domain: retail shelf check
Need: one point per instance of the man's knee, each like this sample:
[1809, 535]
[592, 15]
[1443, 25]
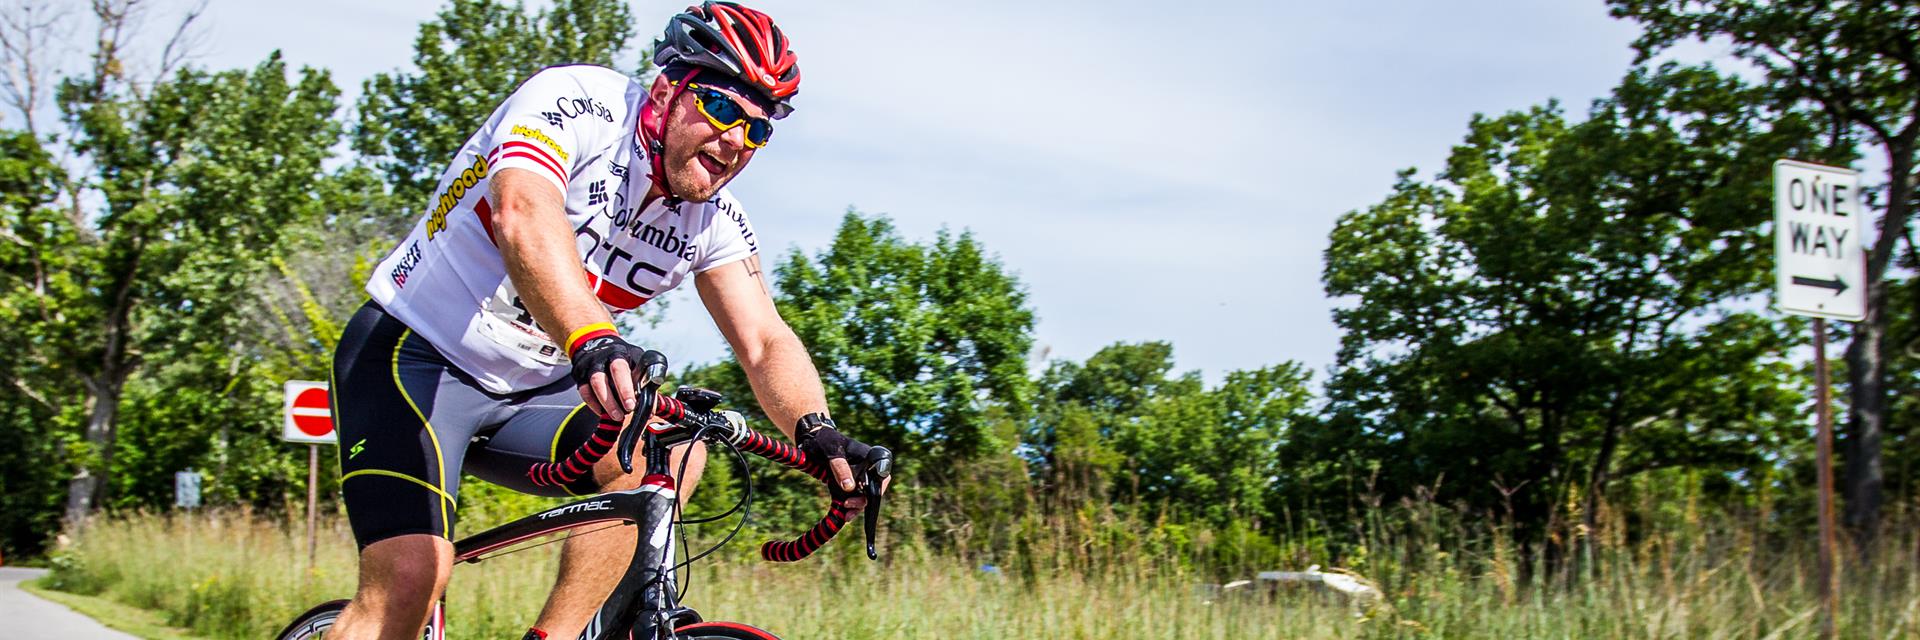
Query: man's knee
[405, 572]
[399, 579]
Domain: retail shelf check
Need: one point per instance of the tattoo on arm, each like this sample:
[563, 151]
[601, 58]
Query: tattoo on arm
[753, 271]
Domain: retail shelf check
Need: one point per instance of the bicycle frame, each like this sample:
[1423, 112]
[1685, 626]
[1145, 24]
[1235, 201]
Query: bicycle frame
[644, 601]
[644, 605]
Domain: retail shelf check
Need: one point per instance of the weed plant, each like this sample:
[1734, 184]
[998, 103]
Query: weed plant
[236, 574]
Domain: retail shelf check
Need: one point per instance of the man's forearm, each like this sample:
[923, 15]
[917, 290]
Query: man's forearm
[784, 380]
[537, 245]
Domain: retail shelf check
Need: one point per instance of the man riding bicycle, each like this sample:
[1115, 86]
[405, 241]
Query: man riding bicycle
[488, 344]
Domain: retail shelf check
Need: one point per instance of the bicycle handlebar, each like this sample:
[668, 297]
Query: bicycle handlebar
[873, 465]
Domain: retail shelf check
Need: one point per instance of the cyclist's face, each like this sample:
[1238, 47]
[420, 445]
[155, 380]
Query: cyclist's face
[700, 157]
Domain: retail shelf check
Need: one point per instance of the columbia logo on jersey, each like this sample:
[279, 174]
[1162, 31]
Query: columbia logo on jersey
[667, 241]
[746, 232]
[576, 107]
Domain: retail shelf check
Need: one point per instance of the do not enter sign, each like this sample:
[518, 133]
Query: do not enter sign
[309, 414]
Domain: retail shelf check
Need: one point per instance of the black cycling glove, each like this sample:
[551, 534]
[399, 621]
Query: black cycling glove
[821, 440]
[597, 355]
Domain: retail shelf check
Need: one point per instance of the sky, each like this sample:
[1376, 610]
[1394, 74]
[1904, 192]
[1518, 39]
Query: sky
[1149, 171]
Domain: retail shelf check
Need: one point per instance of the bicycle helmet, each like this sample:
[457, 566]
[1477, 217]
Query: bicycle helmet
[739, 42]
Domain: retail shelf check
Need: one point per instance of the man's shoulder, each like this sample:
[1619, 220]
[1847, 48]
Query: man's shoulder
[578, 92]
[587, 75]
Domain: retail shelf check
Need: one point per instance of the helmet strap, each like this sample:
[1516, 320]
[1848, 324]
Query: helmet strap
[653, 131]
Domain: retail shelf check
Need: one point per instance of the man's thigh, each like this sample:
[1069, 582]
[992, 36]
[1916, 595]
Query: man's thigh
[405, 419]
[545, 425]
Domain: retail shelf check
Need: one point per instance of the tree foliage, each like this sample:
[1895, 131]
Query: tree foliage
[921, 346]
[917, 344]
[1570, 303]
[30, 504]
[466, 61]
[1120, 427]
[1859, 63]
[197, 178]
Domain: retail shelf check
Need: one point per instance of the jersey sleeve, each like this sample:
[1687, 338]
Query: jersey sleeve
[730, 235]
[529, 132]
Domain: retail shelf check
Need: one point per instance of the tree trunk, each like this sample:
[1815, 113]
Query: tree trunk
[105, 389]
[85, 485]
[1864, 490]
[1866, 377]
[1598, 479]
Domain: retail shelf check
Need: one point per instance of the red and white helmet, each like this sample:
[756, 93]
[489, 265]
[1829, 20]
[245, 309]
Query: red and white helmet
[743, 43]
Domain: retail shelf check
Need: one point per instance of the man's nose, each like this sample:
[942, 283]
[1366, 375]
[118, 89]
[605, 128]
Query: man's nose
[735, 137]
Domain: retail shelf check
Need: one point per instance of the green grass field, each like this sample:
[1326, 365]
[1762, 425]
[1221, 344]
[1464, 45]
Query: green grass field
[233, 575]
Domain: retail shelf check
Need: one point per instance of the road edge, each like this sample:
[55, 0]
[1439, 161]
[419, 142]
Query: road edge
[125, 618]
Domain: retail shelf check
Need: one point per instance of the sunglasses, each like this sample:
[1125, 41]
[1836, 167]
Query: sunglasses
[725, 113]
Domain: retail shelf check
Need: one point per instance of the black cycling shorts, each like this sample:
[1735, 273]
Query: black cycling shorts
[410, 422]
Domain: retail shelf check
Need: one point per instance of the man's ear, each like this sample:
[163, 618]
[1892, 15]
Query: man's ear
[661, 90]
[651, 118]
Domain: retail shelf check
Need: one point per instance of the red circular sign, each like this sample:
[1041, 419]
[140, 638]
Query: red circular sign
[311, 413]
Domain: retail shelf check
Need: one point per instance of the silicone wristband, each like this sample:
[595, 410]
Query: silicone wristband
[589, 332]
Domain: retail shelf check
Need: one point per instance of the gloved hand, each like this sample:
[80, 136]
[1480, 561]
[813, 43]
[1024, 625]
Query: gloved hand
[819, 438]
[609, 370]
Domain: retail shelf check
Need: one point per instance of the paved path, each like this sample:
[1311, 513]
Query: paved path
[24, 616]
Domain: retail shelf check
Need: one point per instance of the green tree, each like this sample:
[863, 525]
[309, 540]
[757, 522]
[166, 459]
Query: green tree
[922, 347]
[196, 179]
[1858, 62]
[1085, 409]
[467, 60]
[30, 400]
[1120, 421]
[1567, 305]
[917, 343]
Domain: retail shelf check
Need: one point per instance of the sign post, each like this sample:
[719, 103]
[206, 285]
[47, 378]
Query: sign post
[1820, 271]
[309, 419]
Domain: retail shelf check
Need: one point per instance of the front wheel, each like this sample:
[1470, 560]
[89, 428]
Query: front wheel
[313, 624]
[722, 631]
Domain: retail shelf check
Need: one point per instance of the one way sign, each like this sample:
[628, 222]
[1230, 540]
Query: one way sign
[1820, 266]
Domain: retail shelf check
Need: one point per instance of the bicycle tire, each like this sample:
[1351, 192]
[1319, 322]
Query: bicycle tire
[313, 623]
[723, 631]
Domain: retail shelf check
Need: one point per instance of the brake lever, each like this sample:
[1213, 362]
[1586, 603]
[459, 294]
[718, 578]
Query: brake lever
[631, 435]
[879, 468]
[653, 365]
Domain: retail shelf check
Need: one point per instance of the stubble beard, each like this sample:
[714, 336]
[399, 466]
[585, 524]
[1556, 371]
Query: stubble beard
[677, 178]
[683, 170]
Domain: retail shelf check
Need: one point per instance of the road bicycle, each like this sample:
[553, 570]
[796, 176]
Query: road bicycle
[645, 605]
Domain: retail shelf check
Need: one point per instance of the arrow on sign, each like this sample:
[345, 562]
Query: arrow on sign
[1836, 284]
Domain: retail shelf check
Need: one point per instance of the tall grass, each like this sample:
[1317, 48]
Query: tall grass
[237, 575]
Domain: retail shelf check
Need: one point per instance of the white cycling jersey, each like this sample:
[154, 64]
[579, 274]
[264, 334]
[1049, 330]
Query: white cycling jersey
[576, 126]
